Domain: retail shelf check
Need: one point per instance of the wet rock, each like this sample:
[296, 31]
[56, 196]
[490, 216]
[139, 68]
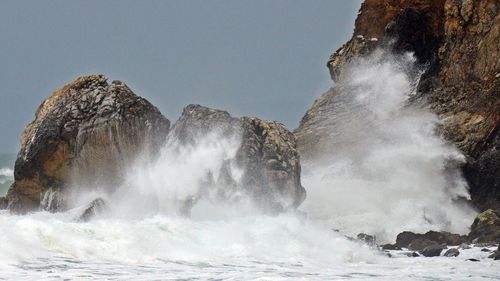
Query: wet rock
[96, 207]
[84, 134]
[3, 203]
[432, 251]
[496, 254]
[404, 239]
[456, 40]
[465, 246]
[266, 156]
[420, 244]
[453, 252]
[390, 247]
[485, 250]
[475, 260]
[486, 227]
[370, 240]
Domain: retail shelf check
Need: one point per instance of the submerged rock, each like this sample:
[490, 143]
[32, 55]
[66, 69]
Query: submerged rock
[453, 252]
[390, 247]
[486, 227]
[84, 134]
[266, 156]
[96, 207]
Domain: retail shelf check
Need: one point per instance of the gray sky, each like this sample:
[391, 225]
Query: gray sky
[253, 58]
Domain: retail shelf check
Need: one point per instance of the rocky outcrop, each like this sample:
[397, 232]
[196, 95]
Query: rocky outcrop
[457, 42]
[84, 134]
[266, 156]
[486, 227]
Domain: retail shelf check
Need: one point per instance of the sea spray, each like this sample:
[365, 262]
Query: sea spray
[387, 170]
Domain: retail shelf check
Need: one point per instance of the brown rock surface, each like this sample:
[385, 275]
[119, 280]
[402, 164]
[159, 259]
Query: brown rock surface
[83, 134]
[267, 155]
[458, 41]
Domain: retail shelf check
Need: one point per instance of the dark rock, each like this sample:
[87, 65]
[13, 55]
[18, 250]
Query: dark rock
[96, 207]
[404, 239]
[412, 254]
[496, 254]
[432, 251]
[370, 240]
[420, 244]
[390, 247]
[453, 252]
[485, 250]
[472, 259]
[266, 155]
[486, 227]
[85, 133]
[4, 203]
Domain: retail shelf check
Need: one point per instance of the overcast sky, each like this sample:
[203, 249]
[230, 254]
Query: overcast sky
[251, 58]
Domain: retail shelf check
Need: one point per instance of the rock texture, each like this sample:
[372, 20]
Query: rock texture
[457, 40]
[84, 133]
[266, 155]
[486, 227]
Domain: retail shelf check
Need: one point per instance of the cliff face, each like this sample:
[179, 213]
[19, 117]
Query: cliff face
[458, 42]
[83, 134]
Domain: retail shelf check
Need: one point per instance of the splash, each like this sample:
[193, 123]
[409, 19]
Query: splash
[387, 170]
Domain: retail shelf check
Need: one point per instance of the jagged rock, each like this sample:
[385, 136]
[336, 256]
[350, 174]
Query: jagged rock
[453, 252]
[420, 244]
[432, 251]
[457, 41]
[266, 154]
[370, 240]
[3, 203]
[96, 207]
[486, 227]
[84, 134]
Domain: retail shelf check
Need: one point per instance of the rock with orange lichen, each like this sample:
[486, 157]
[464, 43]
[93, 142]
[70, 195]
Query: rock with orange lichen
[83, 135]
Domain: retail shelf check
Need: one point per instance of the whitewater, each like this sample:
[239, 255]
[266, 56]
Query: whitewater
[390, 172]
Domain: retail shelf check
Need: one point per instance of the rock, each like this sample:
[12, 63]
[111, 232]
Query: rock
[485, 250]
[84, 134]
[457, 41]
[370, 240]
[404, 239]
[4, 203]
[453, 252]
[420, 244]
[432, 251]
[496, 254]
[390, 247]
[486, 227]
[473, 260]
[266, 156]
[96, 207]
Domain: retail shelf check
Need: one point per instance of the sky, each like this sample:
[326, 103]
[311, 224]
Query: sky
[252, 58]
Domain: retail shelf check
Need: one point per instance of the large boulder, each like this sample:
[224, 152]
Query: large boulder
[486, 227]
[85, 134]
[266, 156]
[457, 41]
